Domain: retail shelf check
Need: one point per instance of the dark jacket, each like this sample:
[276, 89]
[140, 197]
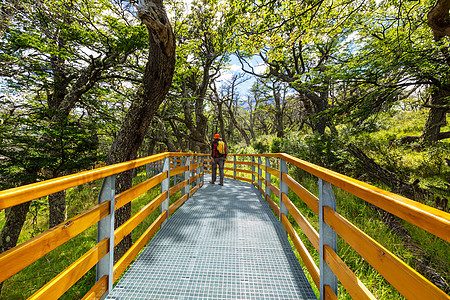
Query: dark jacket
[214, 152]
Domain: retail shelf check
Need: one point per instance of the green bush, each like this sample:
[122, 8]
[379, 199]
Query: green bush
[260, 147]
[275, 146]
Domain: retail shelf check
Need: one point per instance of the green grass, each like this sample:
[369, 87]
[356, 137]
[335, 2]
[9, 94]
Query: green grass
[426, 163]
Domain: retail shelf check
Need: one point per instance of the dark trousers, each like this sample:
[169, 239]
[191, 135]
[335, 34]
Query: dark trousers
[221, 162]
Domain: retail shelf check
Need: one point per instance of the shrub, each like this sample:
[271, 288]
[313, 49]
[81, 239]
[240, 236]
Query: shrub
[275, 146]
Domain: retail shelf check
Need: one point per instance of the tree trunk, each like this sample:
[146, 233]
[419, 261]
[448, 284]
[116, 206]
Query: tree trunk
[155, 85]
[7, 11]
[397, 185]
[15, 218]
[278, 113]
[238, 126]
[221, 123]
[436, 117]
[439, 20]
[57, 208]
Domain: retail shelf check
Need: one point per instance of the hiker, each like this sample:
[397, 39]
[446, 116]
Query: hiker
[218, 156]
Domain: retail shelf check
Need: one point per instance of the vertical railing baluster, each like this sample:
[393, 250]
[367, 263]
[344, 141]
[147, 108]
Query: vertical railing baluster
[197, 160]
[202, 169]
[105, 229]
[268, 179]
[253, 170]
[165, 185]
[259, 173]
[327, 236]
[234, 166]
[284, 189]
[187, 173]
[175, 178]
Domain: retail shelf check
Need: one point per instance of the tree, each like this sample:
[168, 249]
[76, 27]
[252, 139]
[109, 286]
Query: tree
[298, 42]
[58, 52]
[394, 56]
[439, 20]
[201, 56]
[156, 81]
[229, 96]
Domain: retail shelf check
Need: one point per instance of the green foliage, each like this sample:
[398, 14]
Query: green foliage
[34, 147]
[275, 146]
[260, 146]
[324, 150]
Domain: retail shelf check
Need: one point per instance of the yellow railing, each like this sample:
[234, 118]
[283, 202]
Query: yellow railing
[21, 256]
[406, 280]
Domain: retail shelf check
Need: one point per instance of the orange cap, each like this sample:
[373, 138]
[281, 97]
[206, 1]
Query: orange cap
[217, 136]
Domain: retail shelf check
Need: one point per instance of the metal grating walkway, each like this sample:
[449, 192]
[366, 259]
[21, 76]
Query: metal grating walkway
[223, 243]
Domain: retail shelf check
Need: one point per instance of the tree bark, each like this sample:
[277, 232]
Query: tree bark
[438, 19]
[57, 208]
[155, 85]
[237, 125]
[7, 12]
[278, 112]
[436, 117]
[15, 218]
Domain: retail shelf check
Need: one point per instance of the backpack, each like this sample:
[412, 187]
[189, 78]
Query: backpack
[221, 147]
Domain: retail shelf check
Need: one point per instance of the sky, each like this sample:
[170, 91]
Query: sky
[236, 68]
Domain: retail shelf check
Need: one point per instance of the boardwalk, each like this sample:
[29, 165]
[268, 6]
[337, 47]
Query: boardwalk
[223, 243]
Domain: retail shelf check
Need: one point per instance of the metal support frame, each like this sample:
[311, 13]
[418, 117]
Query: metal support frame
[175, 178]
[105, 229]
[165, 185]
[234, 166]
[253, 170]
[187, 175]
[259, 172]
[191, 171]
[284, 189]
[327, 237]
[202, 168]
[268, 192]
[197, 160]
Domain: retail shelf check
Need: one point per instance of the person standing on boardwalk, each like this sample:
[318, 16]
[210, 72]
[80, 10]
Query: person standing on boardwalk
[218, 156]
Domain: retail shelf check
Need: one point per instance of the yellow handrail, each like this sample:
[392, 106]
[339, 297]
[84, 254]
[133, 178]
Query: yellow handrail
[435, 221]
[17, 258]
[405, 279]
